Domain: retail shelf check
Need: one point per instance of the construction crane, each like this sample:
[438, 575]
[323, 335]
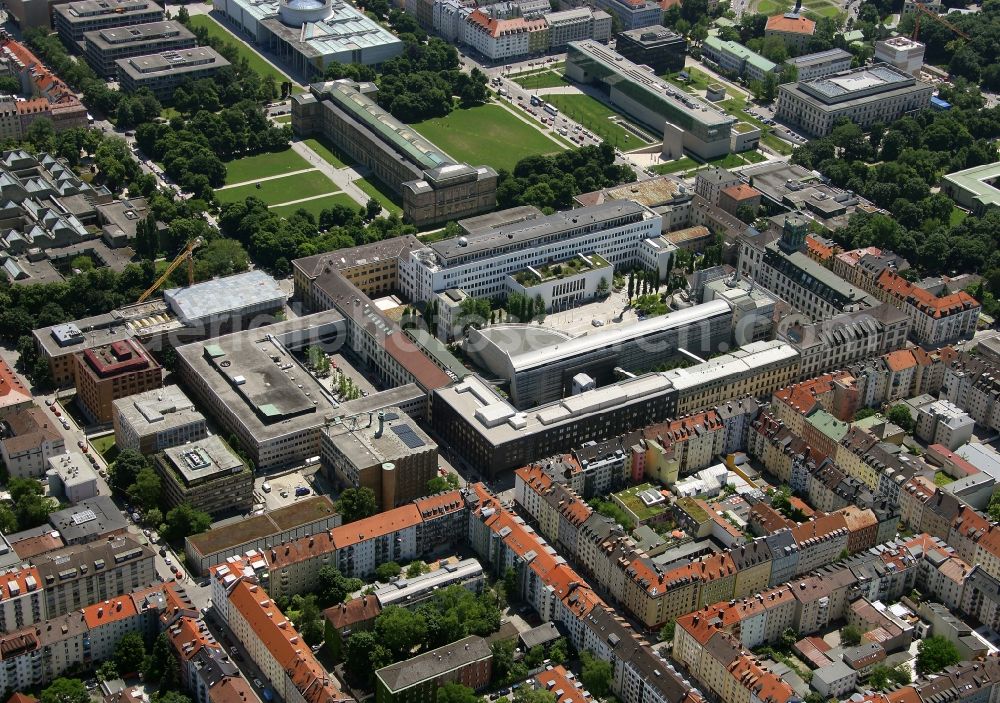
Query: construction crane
[186, 254]
[922, 10]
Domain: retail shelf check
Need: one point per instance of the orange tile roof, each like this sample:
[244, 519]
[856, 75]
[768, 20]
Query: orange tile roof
[804, 397]
[683, 428]
[189, 636]
[566, 687]
[741, 191]
[794, 25]
[301, 549]
[857, 518]
[925, 301]
[900, 360]
[820, 527]
[284, 643]
[18, 697]
[17, 583]
[232, 689]
[120, 608]
[817, 248]
[715, 566]
[439, 504]
[360, 609]
[382, 524]
[701, 624]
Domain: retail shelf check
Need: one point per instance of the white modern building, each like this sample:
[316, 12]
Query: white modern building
[480, 262]
[311, 34]
[866, 95]
[156, 420]
[902, 52]
[72, 476]
[821, 63]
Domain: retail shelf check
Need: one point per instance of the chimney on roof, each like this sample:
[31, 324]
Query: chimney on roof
[381, 424]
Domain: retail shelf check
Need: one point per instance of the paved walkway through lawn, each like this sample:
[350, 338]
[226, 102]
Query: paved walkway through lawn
[304, 200]
[343, 177]
[267, 178]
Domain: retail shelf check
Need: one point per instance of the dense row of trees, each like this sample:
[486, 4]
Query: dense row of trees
[128, 109]
[192, 151]
[550, 182]
[895, 166]
[132, 475]
[399, 633]
[978, 58]
[421, 82]
[273, 241]
[29, 507]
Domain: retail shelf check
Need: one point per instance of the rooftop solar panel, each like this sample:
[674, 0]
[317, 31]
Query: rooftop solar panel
[408, 436]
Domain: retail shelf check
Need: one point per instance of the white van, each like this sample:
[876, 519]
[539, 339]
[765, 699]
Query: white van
[266, 487]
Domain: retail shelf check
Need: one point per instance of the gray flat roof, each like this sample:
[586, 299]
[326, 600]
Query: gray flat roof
[552, 353]
[91, 518]
[203, 460]
[522, 234]
[858, 86]
[118, 37]
[364, 445]
[172, 62]
[404, 589]
[820, 57]
[225, 296]
[436, 662]
[157, 410]
[87, 10]
[262, 395]
[89, 332]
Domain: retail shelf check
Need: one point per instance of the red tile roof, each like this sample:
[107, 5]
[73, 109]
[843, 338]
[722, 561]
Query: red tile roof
[794, 25]
[741, 191]
[925, 301]
[105, 612]
[566, 687]
[382, 524]
[900, 360]
[357, 610]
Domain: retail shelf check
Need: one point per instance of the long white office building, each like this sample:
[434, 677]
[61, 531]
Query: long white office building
[480, 262]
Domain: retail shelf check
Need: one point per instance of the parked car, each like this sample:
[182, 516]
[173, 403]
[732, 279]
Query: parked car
[302, 491]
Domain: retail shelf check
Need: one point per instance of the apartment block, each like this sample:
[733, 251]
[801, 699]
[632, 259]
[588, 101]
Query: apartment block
[933, 320]
[105, 374]
[468, 661]
[31, 441]
[206, 475]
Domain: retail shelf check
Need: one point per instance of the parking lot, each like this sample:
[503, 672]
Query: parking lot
[284, 487]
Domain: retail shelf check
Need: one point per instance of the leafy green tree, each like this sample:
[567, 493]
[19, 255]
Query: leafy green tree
[667, 631]
[438, 484]
[452, 692]
[161, 664]
[147, 490]
[65, 690]
[864, 413]
[170, 697]
[308, 618]
[357, 504]
[334, 587]
[400, 630]
[388, 571]
[899, 414]
[528, 694]
[107, 671]
[130, 654]
[788, 638]
[559, 651]
[535, 656]
[416, 568]
[503, 659]
[850, 635]
[993, 510]
[596, 674]
[125, 470]
[934, 654]
[184, 521]
[364, 655]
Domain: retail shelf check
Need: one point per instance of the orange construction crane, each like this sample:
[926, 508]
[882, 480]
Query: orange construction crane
[922, 10]
[188, 254]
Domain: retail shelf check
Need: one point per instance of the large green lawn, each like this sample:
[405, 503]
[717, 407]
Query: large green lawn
[253, 58]
[487, 134]
[263, 165]
[280, 190]
[323, 148]
[375, 189]
[542, 79]
[596, 117]
[317, 206]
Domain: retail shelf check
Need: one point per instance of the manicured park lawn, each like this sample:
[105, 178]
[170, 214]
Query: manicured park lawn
[272, 163]
[487, 134]
[377, 190]
[322, 147]
[683, 164]
[317, 205]
[280, 190]
[283, 119]
[957, 215]
[542, 79]
[256, 62]
[773, 7]
[596, 117]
